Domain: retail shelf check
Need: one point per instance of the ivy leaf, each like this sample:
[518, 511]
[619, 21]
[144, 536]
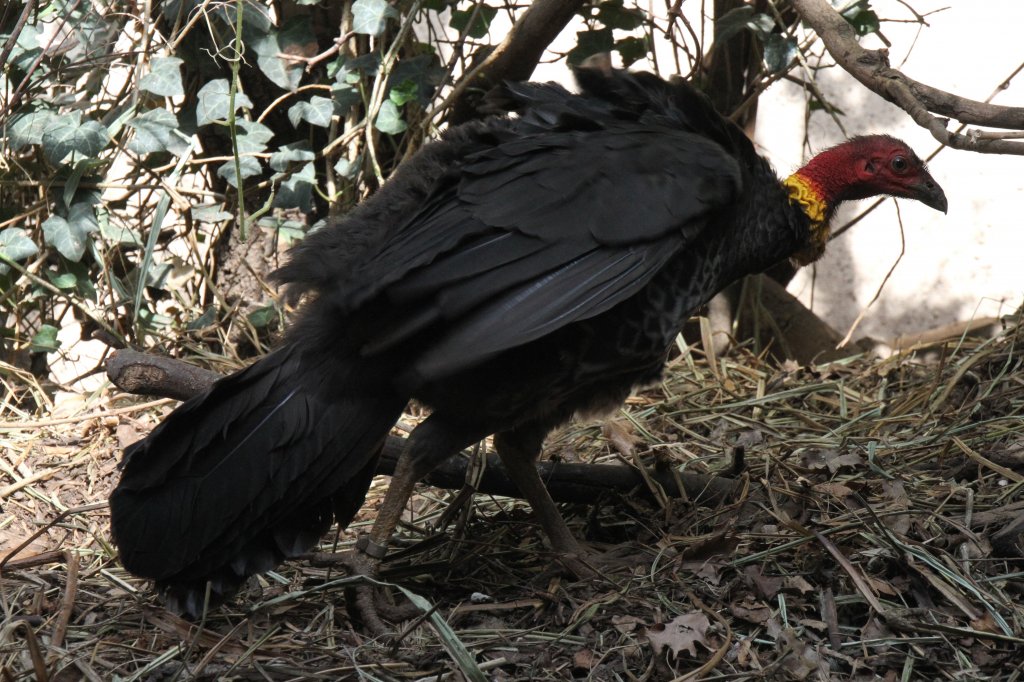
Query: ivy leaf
[262, 317]
[348, 169]
[416, 77]
[248, 165]
[389, 118]
[863, 19]
[252, 137]
[213, 102]
[613, 14]
[15, 245]
[404, 92]
[156, 131]
[29, 128]
[211, 213]
[590, 43]
[66, 137]
[119, 234]
[317, 111]
[45, 340]
[370, 16]
[481, 23]
[164, 77]
[632, 49]
[291, 153]
[296, 190]
[295, 37]
[69, 235]
[779, 51]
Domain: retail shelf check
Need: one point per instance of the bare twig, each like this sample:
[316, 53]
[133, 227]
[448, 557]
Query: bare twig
[925, 104]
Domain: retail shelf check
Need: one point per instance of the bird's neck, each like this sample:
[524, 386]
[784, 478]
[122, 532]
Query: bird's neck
[817, 189]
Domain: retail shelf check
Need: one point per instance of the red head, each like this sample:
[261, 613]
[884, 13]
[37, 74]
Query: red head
[869, 166]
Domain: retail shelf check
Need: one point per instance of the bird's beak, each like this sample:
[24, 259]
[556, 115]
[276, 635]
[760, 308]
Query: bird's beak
[930, 194]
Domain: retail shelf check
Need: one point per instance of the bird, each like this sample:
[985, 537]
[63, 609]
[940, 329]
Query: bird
[521, 269]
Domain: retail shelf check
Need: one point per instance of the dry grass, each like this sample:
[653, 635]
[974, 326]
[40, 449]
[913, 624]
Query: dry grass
[880, 535]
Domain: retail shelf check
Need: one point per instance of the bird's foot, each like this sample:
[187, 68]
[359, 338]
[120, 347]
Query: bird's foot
[366, 600]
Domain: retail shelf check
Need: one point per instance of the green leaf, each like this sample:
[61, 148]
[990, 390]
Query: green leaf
[289, 154]
[613, 14]
[15, 245]
[296, 190]
[156, 131]
[45, 340]
[632, 49]
[863, 20]
[389, 119]
[732, 22]
[262, 317]
[404, 92]
[66, 138]
[317, 111]
[214, 99]
[248, 165]
[481, 23]
[295, 37]
[205, 320]
[424, 72]
[211, 213]
[345, 96]
[28, 128]
[779, 51]
[252, 136]
[68, 236]
[370, 16]
[65, 281]
[164, 77]
[119, 234]
[348, 169]
[589, 43]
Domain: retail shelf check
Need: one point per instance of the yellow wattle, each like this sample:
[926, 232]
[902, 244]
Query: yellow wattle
[809, 199]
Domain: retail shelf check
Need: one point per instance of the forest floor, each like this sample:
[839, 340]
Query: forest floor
[877, 532]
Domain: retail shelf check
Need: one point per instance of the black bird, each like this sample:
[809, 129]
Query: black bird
[517, 271]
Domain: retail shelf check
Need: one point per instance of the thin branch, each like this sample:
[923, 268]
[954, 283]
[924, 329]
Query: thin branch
[925, 104]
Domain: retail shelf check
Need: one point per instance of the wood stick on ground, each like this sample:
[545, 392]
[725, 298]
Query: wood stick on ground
[144, 374]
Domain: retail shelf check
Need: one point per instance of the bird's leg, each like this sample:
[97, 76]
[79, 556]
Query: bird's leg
[428, 445]
[519, 449]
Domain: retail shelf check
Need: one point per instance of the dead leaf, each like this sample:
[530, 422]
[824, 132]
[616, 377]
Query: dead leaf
[626, 624]
[752, 612]
[837, 490]
[799, 658]
[766, 587]
[620, 436]
[798, 584]
[680, 634]
[584, 659]
[850, 460]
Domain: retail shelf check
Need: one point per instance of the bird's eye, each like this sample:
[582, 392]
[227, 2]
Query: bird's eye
[899, 164]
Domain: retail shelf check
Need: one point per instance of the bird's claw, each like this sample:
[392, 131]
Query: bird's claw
[366, 599]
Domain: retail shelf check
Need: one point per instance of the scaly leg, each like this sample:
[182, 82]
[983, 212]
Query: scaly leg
[519, 449]
[428, 445]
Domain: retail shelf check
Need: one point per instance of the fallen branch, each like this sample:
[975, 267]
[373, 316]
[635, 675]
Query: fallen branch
[139, 373]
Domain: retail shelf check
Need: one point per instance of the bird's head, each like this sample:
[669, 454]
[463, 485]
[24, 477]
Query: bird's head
[859, 168]
[885, 165]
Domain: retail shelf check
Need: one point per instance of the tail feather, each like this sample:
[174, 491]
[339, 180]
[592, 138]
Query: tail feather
[252, 472]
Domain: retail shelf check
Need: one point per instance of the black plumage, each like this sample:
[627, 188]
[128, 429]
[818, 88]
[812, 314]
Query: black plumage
[515, 272]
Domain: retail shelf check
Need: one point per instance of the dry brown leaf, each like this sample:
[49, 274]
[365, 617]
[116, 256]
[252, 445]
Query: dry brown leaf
[620, 435]
[584, 659]
[766, 586]
[626, 624]
[837, 490]
[752, 612]
[680, 634]
[798, 583]
[799, 658]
